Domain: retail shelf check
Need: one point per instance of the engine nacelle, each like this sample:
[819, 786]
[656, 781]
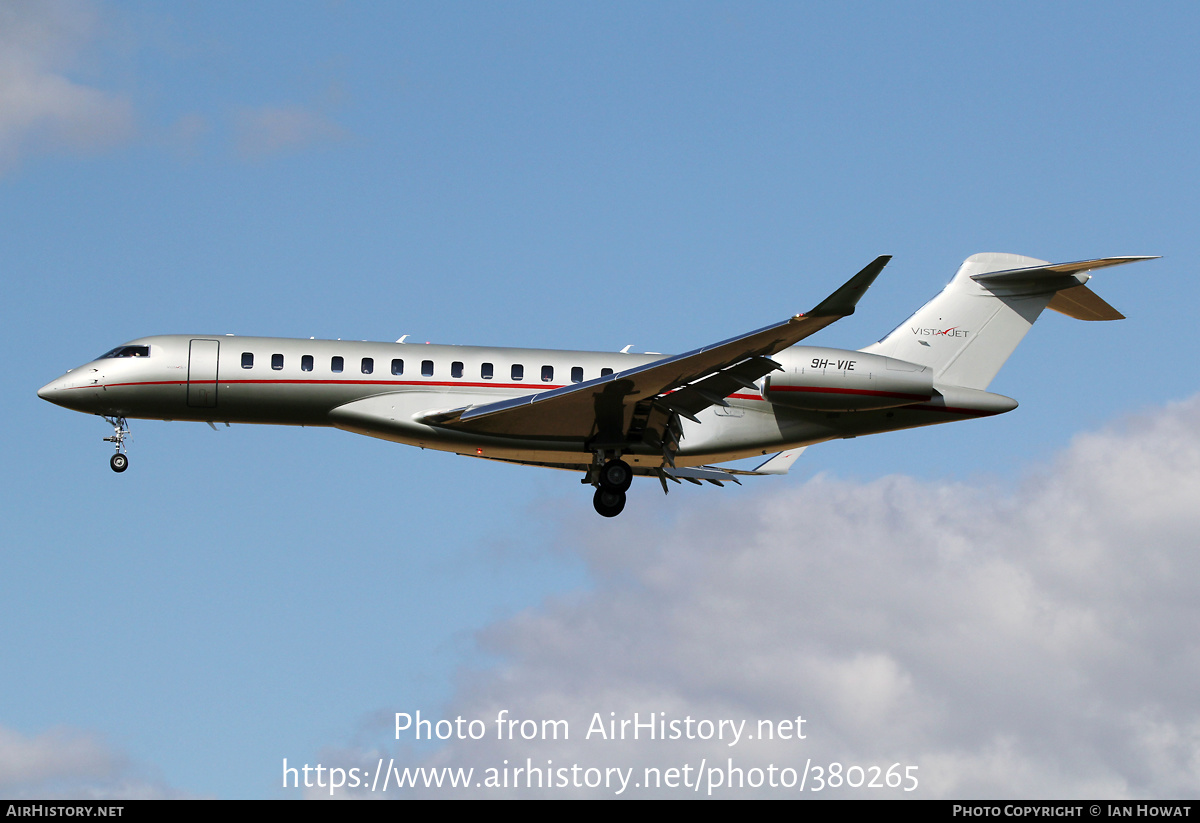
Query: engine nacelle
[838, 380]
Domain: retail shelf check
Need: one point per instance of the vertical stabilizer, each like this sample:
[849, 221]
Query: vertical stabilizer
[967, 332]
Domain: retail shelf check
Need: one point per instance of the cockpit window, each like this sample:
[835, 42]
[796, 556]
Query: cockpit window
[126, 351]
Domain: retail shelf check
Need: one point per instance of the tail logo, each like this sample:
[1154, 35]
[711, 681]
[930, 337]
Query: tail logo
[953, 331]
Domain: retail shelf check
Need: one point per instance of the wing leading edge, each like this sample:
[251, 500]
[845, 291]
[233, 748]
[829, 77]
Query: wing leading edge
[640, 403]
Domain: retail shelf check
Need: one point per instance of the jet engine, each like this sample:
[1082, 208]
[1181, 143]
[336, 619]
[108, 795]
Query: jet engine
[835, 380]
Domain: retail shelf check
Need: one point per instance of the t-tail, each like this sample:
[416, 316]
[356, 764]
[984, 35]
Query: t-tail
[967, 332]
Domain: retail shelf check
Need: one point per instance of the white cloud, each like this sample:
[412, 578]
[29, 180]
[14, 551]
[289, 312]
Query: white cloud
[1036, 642]
[55, 754]
[69, 763]
[42, 109]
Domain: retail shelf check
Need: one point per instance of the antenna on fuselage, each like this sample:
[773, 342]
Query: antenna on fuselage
[402, 338]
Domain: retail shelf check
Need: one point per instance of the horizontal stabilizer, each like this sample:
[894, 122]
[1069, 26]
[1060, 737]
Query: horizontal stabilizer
[1082, 303]
[1055, 270]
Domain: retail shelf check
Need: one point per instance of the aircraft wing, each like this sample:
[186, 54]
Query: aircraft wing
[778, 464]
[608, 410]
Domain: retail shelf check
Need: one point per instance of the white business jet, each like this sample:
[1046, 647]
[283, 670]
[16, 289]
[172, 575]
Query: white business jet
[610, 416]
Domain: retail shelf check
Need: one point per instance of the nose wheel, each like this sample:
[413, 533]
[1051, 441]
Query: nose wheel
[119, 462]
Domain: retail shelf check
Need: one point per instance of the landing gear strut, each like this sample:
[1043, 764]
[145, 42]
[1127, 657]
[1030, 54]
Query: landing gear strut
[119, 461]
[612, 482]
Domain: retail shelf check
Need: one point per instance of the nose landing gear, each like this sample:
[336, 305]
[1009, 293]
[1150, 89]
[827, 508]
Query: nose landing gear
[119, 461]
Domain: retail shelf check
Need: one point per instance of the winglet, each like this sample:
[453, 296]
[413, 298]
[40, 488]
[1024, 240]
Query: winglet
[780, 463]
[842, 302]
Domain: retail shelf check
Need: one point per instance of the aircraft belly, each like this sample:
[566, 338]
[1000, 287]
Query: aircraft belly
[280, 401]
[760, 430]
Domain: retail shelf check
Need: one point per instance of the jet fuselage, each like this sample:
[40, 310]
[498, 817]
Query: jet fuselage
[305, 382]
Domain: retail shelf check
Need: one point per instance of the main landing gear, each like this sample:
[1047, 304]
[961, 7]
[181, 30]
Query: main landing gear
[119, 461]
[608, 503]
[613, 481]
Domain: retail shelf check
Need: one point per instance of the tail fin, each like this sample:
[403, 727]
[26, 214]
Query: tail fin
[967, 332]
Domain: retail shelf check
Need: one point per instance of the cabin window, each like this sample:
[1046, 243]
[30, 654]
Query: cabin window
[518, 372]
[427, 368]
[368, 365]
[306, 363]
[605, 372]
[485, 371]
[277, 362]
[456, 368]
[577, 374]
[547, 374]
[247, 360]
[336, 365]
[397, 366]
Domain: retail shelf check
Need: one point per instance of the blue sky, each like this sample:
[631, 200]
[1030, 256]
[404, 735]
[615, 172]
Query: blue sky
[546, 175]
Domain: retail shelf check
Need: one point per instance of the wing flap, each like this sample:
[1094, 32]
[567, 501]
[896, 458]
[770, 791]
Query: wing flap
[697, 473]
[712, 390]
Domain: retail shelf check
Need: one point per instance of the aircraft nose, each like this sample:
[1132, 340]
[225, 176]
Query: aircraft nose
[56, 390]
[47, 391]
